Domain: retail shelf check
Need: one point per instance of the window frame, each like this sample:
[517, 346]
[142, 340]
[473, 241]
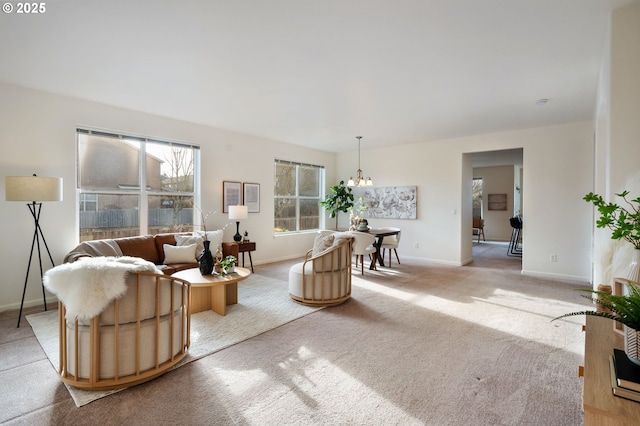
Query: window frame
[142, 191]
[297, 197]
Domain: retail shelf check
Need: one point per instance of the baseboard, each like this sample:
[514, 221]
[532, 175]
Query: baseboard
[562, 277]
[52, 302]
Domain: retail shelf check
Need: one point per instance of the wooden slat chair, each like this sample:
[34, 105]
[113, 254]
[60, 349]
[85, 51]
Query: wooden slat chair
[324, 279]
[135, 339]
[478, 227]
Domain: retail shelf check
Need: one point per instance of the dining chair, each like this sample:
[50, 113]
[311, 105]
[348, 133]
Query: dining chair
[515, 248]
[478, 227]
[391, 242]
[363, 244]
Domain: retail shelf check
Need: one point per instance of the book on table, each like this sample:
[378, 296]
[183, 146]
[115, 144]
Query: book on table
[620, 391]
[627, 372]
[625, 376]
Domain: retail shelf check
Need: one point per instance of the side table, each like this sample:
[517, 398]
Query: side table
[244, 248]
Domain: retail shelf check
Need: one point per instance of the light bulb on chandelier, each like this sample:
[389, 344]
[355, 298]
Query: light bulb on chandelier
[359, 180]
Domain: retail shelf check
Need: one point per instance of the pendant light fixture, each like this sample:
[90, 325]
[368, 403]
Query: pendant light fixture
[360, 180]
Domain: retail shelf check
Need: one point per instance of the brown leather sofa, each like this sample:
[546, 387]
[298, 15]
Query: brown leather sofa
[148, 247]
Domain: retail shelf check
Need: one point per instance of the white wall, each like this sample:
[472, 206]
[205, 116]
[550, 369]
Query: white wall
[617, 161]
[497, 180]
[37, 135]
[557, 173]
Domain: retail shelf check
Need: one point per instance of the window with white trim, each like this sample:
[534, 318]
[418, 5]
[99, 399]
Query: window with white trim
[130, 185]
[297, 196]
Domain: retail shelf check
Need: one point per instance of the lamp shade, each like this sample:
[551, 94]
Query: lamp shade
[238, 212]
[32, 188]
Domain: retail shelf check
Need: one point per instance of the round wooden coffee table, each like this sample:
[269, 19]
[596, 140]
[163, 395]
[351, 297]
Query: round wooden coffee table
[213, 292]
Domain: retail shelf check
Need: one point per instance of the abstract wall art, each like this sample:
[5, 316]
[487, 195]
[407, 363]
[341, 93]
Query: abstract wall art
[391, 202]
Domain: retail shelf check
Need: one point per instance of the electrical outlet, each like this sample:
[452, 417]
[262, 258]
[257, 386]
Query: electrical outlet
[553, 258]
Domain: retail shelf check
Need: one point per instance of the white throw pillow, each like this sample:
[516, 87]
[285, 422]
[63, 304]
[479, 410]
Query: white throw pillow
[179, 254]
[187, 240]
[215, 237]
[321, 243]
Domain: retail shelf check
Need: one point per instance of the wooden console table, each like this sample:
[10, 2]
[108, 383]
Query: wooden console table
[601, 406]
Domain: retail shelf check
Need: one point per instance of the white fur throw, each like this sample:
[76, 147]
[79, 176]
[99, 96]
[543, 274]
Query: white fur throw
[88, 285]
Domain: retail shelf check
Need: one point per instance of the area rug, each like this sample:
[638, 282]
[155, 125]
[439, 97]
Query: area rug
[263, 304]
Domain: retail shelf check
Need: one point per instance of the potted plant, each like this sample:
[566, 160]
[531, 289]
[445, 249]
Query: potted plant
[340, 199]
[363, 225]
[227, 265]
[624, 309]
[356, 217]
[623, 221]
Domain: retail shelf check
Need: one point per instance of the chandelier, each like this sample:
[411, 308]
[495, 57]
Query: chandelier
[360, 180]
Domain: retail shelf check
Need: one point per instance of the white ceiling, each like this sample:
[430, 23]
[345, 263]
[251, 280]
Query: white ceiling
[319, 72]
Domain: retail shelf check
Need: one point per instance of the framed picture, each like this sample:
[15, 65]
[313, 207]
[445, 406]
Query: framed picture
[497, 201]
[251, 196]
[231, 195]
[393, 202]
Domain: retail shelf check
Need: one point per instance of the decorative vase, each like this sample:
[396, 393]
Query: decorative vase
[205, 262]
[634, 266]
[632, 344]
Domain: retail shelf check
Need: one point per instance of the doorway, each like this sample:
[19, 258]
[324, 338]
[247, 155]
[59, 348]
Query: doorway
[496, 182]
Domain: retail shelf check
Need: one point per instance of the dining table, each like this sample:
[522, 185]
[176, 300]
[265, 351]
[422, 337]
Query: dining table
[380, 233]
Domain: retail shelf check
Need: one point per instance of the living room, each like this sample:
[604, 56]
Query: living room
[562, 162]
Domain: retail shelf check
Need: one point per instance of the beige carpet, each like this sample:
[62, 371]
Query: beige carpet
[263, 304]
[417, 344]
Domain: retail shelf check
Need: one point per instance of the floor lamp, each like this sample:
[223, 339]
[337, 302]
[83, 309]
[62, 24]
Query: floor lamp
[36, 190]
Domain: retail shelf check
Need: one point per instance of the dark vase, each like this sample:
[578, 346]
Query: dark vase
[206, 260]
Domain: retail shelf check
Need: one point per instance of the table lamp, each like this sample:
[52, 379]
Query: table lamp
[236, 213]
[36, 190]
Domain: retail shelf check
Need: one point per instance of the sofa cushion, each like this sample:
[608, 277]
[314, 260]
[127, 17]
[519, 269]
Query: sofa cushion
[162, 239]
[187, 240]
[143, 246]
[128, 344]
[326, 285]
[214, 236]
[179, 254]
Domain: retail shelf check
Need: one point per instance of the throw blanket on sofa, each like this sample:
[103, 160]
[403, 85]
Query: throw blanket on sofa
[94, 249]
[87, 286]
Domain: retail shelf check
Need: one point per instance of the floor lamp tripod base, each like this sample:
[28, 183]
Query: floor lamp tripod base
[35, 209]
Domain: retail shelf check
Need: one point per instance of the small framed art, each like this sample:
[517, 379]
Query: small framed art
[251, 196]
[231, 195]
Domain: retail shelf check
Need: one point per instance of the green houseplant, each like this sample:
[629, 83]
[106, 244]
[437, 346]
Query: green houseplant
[623, 221]
[340, 199]
[227, 265]
[624, 309]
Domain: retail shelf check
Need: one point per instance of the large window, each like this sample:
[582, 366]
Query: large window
[476, 193]
[134, 186]
[297, 196]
